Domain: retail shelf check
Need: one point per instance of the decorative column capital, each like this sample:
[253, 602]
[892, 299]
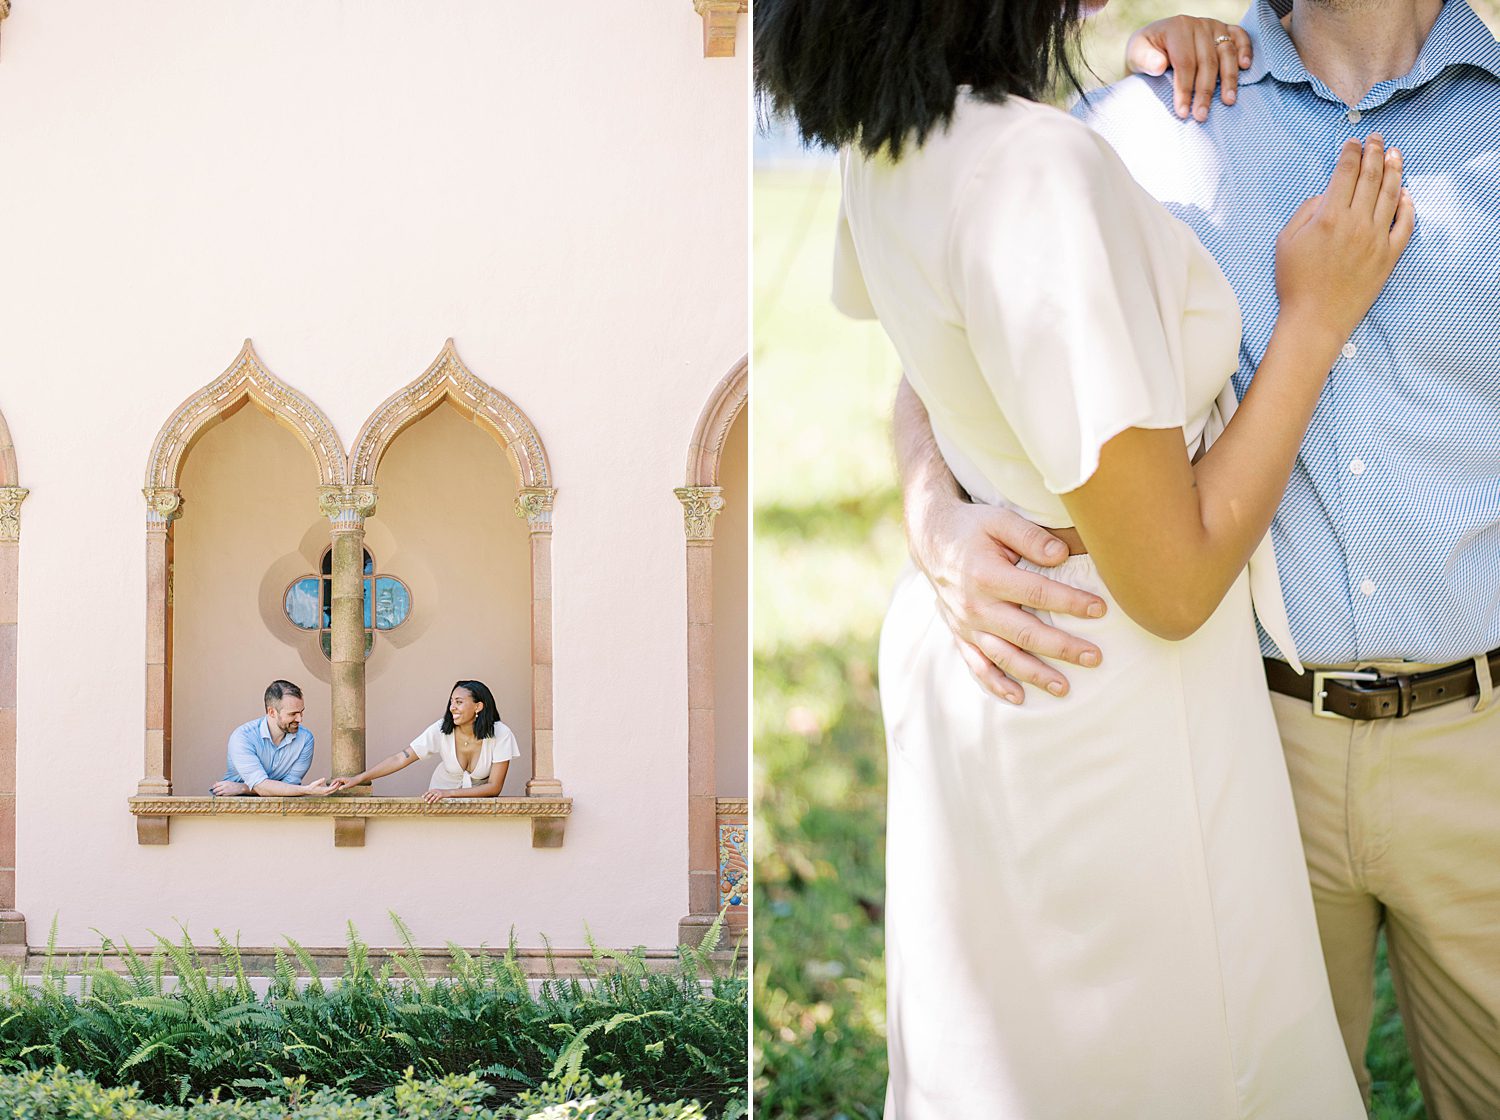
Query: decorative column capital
[11, 497]
[700, 505]
[346, 506]
[162, 506]
[534, 503]
[720, 21]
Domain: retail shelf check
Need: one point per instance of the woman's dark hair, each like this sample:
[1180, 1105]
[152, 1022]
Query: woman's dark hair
[487, 717]
[883, 73]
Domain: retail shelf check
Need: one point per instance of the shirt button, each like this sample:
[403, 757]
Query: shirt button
[1350, 350]
[1352, 116]
[1367, 588]
[1357, 466]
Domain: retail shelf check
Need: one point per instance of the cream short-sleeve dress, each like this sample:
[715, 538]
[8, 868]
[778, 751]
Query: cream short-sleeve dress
[1097, 906]
[449, 773]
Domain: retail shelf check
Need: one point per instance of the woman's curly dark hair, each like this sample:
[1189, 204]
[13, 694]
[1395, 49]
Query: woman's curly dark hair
[884, 73]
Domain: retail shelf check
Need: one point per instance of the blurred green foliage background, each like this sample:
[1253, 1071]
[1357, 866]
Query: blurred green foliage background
[828, 546]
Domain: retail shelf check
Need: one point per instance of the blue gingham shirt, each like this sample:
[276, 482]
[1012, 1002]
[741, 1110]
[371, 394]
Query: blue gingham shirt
[253, 757]
[1388, 538]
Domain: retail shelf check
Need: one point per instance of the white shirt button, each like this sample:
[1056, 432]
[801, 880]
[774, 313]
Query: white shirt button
[1357, 466]
[1367, 588]
[1350, 350]
[1353, 116]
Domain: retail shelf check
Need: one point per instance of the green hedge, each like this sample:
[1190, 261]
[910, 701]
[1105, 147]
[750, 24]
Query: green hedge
[178, 1026]
[58, 1094]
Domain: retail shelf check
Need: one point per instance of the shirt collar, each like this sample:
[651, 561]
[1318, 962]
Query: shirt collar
[1458, 38]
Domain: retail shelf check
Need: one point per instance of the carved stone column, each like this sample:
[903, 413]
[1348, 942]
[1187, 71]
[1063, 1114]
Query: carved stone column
[534, 503]
[346, 508]
[163, 506]
[700, 505]
[720, 21]
[12, 924]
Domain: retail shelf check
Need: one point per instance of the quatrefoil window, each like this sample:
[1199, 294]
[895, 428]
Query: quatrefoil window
[309, 603]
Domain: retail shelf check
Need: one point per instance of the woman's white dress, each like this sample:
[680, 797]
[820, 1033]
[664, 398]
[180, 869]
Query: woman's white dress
[1097, 906]
[449, 772]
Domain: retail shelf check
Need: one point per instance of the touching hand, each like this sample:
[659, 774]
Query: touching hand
[969, 553]
[345, 783]
[320, 788]
[227, 788]
[1339, 248]
[433, 796]
[1201, 53]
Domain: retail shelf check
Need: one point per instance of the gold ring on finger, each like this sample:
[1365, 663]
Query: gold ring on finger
[1224, 39]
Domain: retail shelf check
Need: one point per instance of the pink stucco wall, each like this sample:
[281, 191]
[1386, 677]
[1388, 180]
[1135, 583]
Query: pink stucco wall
[559, 188]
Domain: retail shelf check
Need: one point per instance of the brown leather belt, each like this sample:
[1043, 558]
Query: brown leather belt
[1367, 694]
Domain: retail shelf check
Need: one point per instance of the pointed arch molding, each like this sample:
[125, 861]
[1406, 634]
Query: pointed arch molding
[717, 417]
[246, 378]
[9, 476]
[449, 379]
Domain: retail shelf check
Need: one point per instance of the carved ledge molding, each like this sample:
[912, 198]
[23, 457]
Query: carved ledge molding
[720, 23]
[11, 498]
[700, 505]
[153, 815]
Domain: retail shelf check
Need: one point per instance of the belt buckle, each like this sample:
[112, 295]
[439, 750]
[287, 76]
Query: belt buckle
[1320, 694]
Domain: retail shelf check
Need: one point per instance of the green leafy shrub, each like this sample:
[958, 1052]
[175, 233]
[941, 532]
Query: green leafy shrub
[179, 1026]
[58, 1094]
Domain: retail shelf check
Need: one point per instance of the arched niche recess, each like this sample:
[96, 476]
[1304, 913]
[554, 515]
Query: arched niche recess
[347, 496]
[449, 381]
[716, 826]
[246, 381]
[12, 924]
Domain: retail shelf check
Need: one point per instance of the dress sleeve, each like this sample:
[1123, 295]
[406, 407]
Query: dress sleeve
[1064, 275]
[429, 742]
[506, 747]
[849, 292]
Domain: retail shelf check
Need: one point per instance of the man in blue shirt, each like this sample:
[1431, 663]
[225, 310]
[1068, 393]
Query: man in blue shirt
[1388, 538]
[270, 756]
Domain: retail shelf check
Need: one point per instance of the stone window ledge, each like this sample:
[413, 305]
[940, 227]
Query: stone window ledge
[548, 815]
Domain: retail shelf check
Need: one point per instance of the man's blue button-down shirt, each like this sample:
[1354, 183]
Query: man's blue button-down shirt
[253, 757]
[1388, 539]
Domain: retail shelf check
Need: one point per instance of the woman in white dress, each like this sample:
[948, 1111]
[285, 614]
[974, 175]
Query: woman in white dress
[1097, 908]
[472, 746]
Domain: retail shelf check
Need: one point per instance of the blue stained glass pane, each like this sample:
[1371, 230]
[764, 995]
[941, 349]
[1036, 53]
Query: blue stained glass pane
[367, 604]
[302, 604]
[392, 603]
[327, 604]
[369, 563]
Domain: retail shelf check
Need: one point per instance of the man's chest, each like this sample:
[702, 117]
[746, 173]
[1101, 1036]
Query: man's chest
[1441, 306]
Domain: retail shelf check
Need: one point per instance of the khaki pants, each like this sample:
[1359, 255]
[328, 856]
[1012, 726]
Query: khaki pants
[1400, 820]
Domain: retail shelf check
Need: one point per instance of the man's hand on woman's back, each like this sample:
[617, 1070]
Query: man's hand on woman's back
[969, 552]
